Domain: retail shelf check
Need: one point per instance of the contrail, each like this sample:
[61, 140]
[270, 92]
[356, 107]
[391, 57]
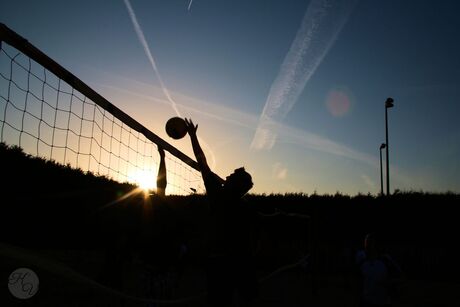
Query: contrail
[190, 5]
[203, 110]
[288, 134]
[140, 35]
[143, 41]
[320, 27]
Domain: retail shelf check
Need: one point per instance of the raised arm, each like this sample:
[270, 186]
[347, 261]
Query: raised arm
[212, 182]
[199, 154]
[161, 177]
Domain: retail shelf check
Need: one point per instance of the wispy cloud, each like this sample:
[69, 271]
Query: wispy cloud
[308, 140]
[369, 182]
[143, 41]
[234, 117]
[320, 27]
[189, 5]
[194, 106]
[288, 135]
[279, 171]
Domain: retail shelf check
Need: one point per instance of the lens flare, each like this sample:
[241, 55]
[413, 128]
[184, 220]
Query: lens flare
[338, 102]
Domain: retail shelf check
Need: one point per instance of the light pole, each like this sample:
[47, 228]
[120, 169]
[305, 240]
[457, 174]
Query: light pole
[388, 104]
[381, 170]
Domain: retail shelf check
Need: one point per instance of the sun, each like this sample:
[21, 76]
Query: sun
[145, 180]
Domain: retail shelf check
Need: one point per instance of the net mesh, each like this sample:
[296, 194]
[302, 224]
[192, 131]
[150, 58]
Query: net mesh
[48, 117]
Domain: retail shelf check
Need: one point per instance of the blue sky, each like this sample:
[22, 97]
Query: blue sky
[221, 60]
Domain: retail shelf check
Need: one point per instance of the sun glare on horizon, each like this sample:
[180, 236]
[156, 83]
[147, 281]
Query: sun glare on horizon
[144, 179]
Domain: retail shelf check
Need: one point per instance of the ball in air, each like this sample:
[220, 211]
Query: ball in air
[176, 128]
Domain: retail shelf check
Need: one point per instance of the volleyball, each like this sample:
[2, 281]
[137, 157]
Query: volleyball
[176, 128]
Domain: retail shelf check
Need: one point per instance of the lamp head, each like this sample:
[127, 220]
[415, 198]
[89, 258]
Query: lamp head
[383, 145]
[389, 102]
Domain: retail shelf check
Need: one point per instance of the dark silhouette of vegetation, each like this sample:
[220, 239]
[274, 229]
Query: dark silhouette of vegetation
[49, 205]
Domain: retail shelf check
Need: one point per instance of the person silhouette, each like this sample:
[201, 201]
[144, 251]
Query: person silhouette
[156, 246]
[379, 274]
[230, 267]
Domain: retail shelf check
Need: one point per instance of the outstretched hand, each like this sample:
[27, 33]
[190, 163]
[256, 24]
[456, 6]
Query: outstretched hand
[191, 127]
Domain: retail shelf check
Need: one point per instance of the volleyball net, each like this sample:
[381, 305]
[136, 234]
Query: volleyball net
[50, 113]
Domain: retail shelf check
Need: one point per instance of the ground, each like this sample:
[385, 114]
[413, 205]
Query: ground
[63, 283]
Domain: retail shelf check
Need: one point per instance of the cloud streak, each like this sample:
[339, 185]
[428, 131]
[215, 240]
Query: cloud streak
[322, 22]
[143, 41]
[369, 182]
[246, 121]
[190, 5]
[224, 114]
[316, 142]
[279, 171]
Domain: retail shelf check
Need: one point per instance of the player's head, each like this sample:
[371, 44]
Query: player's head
[239, 182]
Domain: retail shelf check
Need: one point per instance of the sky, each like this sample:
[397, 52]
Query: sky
[294, 91]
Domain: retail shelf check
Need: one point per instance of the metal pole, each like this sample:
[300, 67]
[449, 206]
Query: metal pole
[381, 173]
[388, 104]
[388, 158]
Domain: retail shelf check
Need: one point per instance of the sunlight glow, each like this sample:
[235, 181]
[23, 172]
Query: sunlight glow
[146, 180]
